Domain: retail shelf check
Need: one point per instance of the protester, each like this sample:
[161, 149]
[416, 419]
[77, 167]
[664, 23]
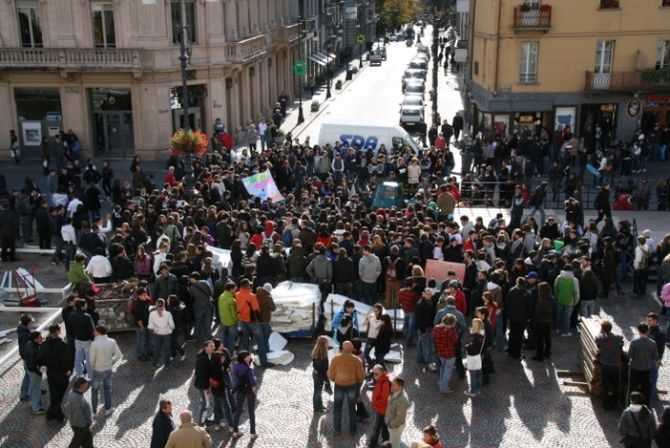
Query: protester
[609, 355]
[346, 371]
[445, 338]
[162, 424]
[188, 434]
[79, 414]
[161, 325]
[104, 354]
[642, 353]
[637, 424]
[380, 396]
[24, 336]
[244, 387]
[396, 411]
[319, 372]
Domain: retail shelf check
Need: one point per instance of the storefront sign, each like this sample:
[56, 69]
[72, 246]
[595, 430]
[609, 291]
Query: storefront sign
[633, 108]
[526, 119]
[607, 107]
[657, 98]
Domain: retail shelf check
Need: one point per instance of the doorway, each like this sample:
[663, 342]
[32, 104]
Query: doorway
[113, 133]
[194, 118]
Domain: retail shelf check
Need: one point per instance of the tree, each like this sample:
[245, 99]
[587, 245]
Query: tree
[395, 13]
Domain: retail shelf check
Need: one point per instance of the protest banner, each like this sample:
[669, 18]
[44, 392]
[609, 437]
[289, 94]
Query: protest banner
[262, 185]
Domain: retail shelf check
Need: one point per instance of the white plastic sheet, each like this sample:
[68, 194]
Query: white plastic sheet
[297, 306]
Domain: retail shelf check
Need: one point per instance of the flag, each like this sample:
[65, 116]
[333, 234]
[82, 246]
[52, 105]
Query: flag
[263, 186]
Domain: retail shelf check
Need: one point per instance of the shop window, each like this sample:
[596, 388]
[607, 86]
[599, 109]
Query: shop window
[476, 68]
[29, 24]
[103, 25]
[528, 63]
[190, 21]
[609, 4]
[663, 53]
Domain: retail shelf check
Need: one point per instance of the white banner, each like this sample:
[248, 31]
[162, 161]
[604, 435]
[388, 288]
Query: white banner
[262, 185]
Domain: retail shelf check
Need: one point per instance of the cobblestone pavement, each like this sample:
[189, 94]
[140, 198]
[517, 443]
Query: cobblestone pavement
[525, 406]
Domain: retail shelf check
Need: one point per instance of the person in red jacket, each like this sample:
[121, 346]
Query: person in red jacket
[459, 295]
[380, 397]
[408, 297]
[170, 178]
[445, 338]
[266, 236]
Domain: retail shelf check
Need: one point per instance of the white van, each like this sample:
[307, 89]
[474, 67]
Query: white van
[366, 136]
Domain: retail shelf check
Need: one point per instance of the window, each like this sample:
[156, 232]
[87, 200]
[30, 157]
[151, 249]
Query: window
[190, 21]
[29, 25]
[476, 67]
[663, 54]
[665, 3]
[604, 56]
[103, 25]
[609, 4]
[528, 66]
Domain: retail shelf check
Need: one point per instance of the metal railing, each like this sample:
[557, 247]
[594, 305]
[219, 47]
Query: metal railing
[70, 58]
[534, 19]
[244, 49]
[286, 34]
[628, 81]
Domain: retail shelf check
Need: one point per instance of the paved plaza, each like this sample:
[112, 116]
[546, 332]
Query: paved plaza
[525, 405]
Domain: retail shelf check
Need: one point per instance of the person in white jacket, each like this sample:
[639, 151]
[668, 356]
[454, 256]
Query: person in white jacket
[162, 325]
[103, 355]
[641, 266]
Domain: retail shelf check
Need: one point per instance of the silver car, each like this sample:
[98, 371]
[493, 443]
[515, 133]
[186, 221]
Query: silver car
[415, 87]
[411, 116]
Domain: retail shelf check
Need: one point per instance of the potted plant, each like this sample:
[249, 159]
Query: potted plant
[545, 8]
[315, 106]
[524, 7]
[338, 84]
[187, 142]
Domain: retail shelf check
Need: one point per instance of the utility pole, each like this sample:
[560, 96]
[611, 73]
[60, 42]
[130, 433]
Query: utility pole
[184, 59]
[301, 115]
[435, 46]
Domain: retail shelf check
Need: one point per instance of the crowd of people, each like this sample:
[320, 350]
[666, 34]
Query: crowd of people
[523, 278]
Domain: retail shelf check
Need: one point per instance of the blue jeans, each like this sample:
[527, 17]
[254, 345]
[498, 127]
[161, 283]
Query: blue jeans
[368, 292]
[475, 381]
[25, 383]
[587, 308]
[250, 398]
[424, 350]
[82, 349]
[203, 406]
[222, 408]
[351, 394]
[264, 343]
[446, 368]
[104, 380]
[622, 269]
[250, 329]
[162, 344]
[317, 400]
[500, 330]
[540, 209]
[203, 323]
[409, 328]
[36, 391]
[142, 344]
[564, 313]
[653, 379]
[228, 335]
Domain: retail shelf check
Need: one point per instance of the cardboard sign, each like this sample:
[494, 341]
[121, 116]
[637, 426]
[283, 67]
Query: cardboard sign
[438, 270]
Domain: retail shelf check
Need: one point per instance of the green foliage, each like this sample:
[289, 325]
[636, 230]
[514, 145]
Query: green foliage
[395, 13]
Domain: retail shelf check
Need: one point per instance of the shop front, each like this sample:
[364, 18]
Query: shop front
[504, 124]
[598, 124]
[655, 110]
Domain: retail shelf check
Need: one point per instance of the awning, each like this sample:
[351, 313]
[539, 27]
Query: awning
[316, 59]
[331, 56]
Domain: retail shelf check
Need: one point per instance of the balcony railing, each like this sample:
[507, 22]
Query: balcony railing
[70, 58]
[532, 19]
[310, 24]
[628, 81]
[286, 34]
[244, 49]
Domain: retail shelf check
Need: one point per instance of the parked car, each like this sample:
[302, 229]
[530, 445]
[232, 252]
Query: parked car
[423, 49]
[411, 116]
[381, 49]
[412, 100]
[375, 58]
[416, 88]
[413, 75]
[420, 64]
[421, 57]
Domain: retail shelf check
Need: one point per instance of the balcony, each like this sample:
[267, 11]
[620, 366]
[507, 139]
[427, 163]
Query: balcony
[244, 49]
[532, 19]
[648, 80]
[70, 59]
[286, 34]
[310, 24]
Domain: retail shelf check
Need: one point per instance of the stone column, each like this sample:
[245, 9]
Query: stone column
[75, 111]
[8, 119]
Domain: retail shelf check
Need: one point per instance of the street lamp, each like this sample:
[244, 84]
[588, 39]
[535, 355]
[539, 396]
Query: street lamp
[301, 115]
[183, 59]
[330, 76]
[360, 55]
[436, 116]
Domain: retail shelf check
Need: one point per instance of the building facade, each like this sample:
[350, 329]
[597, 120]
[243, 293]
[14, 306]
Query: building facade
[601, 67]
[109, 70]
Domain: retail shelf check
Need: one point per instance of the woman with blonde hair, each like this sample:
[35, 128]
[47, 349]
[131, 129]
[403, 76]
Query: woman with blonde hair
[419, 279]
[473, 350]
[320, 372]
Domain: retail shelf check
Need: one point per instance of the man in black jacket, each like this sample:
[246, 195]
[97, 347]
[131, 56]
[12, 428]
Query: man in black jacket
[536, 202]
[166, 283]
[9, 231]
[29, 356]
[162, 425]
[81, 325]
[204, 364]
[122, 267]
[344, 273]
[23, 333]
[519, 309]
[424, 315]
[55, 356]
[602, 203]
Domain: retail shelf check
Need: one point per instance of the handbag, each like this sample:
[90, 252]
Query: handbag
[474, 362]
